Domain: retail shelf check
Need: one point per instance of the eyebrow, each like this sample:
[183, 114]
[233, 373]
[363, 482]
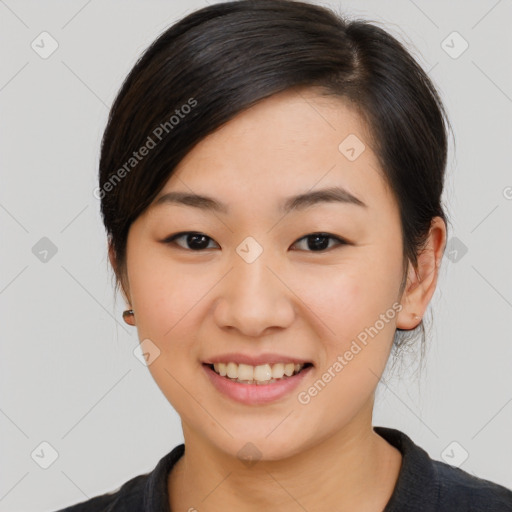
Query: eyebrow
[297, 202]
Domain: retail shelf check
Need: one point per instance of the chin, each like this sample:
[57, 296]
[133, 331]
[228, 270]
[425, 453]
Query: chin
[258, 445]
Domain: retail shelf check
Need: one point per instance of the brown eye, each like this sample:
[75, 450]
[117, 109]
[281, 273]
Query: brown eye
[193, 241]
[319, 242]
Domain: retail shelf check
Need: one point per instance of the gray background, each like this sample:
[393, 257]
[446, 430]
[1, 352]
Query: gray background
[68, 373]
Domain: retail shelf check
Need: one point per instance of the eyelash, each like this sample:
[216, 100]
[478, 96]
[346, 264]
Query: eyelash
[171, 240]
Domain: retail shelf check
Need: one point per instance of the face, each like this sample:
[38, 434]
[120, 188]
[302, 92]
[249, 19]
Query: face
[316, 282]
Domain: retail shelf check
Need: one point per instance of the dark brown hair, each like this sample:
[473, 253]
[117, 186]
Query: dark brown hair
[217, 61]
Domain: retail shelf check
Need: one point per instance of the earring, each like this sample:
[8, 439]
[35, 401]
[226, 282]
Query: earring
[127, 316]
[417, 317]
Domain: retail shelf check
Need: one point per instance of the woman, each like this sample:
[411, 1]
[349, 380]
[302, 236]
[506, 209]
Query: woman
[270, 180]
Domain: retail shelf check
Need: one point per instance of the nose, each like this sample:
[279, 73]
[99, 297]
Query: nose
[254, 298]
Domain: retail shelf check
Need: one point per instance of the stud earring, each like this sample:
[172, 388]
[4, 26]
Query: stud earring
[128, 316]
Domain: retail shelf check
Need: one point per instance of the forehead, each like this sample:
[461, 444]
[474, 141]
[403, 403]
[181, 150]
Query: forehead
[284, 145]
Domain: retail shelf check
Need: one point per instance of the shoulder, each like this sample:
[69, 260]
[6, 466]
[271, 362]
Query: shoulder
[147, 491]
[428, 485]
[127, 497]
[460, 490]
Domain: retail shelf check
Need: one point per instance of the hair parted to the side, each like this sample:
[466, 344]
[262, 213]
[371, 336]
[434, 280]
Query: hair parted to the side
[222, 59]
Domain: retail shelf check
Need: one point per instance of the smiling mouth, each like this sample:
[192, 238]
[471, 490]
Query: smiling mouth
[260, 375]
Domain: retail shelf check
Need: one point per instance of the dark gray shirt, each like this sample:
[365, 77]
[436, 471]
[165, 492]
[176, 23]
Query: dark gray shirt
[424, 485]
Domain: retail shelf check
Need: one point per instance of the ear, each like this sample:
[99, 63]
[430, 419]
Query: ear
[421, 282]
[124, 288]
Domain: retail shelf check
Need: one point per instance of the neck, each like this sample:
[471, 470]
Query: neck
[355, 469]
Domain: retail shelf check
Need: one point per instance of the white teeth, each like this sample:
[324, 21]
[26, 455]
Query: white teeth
[277, 370]
[289, 369]
[232, 370]
[245, 372]
[263, 373]
[220, 368]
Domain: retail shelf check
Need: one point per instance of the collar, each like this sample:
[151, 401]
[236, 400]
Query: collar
[156, 498]
[417, 487]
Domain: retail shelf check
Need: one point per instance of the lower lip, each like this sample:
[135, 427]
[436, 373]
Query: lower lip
[255, 393]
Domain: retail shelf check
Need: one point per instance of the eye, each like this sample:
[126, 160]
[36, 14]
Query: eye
[195, 241]
[320, 241]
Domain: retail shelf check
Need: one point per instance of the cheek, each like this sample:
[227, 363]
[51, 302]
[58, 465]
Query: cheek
[164, 294]
[352, 304]
[348, 296]
[356, 324]
[333, 295]
[167, 299]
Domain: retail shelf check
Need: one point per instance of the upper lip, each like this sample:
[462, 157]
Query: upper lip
[260, 359]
